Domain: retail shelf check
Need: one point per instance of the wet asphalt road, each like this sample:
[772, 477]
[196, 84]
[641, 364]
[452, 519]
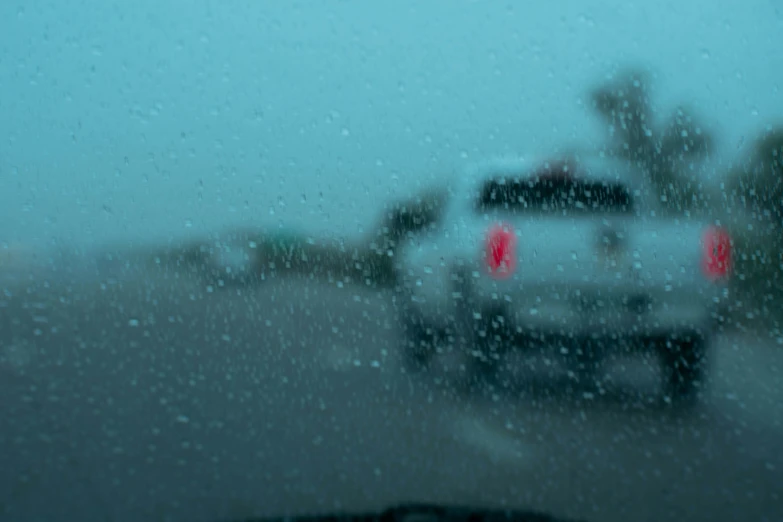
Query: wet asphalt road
[139, 397]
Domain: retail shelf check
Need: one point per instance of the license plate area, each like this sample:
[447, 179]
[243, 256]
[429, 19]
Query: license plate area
[596, 304]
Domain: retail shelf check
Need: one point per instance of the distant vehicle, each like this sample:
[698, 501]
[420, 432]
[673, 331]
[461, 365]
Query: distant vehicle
[574, 255]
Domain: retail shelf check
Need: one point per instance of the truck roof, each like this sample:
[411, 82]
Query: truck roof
[588, 167]
[469, 183]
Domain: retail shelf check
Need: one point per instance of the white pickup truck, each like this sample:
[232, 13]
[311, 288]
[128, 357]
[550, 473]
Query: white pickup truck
[573, 255]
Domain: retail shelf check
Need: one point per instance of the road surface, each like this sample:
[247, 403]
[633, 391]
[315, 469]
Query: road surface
[129, 395]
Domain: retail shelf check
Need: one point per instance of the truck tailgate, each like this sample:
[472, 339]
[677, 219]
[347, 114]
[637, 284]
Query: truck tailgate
[602, 275]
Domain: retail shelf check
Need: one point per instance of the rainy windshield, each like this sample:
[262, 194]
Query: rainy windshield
[269, 259]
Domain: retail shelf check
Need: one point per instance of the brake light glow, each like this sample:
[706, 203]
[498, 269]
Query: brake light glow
[716, 257]
[500, 253]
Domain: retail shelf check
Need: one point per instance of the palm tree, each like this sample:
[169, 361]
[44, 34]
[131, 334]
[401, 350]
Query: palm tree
[666, 154]
[751, 205]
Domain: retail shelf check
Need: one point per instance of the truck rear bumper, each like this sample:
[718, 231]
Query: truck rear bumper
[625, 331]
[595, 341]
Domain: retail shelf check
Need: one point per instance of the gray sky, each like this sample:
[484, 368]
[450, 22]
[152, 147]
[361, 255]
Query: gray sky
[149, 120]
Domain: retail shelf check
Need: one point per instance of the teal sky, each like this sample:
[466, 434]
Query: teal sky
[145, 120]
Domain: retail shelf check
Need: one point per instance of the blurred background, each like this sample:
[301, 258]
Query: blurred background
[133, 122]
[128, 394]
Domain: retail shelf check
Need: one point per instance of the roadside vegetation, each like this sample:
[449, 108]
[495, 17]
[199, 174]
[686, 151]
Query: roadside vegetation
[672, 152]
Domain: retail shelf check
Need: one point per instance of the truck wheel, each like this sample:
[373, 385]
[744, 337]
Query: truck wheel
[684, 367]
[420, 342]
[492, 342]
[458, 363]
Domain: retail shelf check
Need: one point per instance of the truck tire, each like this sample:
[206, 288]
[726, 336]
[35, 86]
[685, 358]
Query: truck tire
[684, 367]
[419, 343]
[459, 364]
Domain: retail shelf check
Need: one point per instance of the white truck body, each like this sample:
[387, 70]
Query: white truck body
[615, 270]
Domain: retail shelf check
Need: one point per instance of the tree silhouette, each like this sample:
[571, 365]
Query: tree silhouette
[751, 205]
[665, 154]
[367, 261]
[755, 191]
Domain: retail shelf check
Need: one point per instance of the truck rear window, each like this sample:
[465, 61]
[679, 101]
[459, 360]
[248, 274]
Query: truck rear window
[556, 195]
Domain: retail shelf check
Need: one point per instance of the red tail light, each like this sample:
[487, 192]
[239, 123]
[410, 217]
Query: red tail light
[500, 254]
[716, 257]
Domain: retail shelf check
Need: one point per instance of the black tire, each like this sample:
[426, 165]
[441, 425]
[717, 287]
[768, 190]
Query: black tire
[420, 343]
[477, 357]
[684, 361]
[492, 342]
[436, 349]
